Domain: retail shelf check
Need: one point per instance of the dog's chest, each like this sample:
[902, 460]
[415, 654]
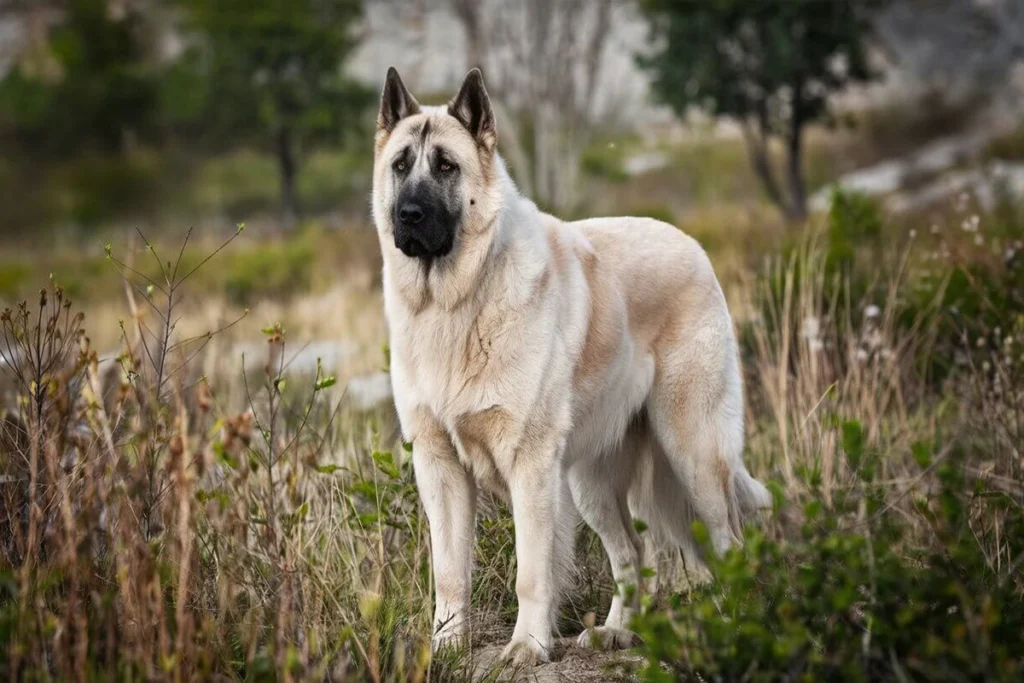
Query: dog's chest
[458, 364]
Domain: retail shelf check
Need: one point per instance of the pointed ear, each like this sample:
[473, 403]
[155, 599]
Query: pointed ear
[472, 107]
[396, 102]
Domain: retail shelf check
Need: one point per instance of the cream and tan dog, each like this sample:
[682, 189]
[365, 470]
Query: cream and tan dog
[577, 369]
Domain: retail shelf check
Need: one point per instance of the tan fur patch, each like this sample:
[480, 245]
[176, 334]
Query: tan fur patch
[724, 476]
[557, 248]
[430, 433]
[486, 156]
[604, 335]
[480, 435]
[379, 140]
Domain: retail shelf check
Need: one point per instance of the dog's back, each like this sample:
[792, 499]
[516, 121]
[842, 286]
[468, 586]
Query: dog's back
[679, 323]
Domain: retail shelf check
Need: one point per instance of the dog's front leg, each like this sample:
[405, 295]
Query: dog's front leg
[535, 488]
[448, 493]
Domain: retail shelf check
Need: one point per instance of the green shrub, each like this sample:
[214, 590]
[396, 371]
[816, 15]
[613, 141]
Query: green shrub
[277, 269]
[605, 160]
[848, 598]
[238, 183]
[328, 178]
[13, 275]
[94, 188]
[854, 221]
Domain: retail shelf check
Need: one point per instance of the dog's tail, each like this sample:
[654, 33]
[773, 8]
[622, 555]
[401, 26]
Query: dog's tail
[565, 569]
[751, 495]
[746, 497]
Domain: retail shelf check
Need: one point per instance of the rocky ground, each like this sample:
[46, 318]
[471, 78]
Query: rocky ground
[570, 663]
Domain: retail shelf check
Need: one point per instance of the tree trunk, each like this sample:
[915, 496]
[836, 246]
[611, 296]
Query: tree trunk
[760, 162]
[514, 151]
[797, 191]
[287, 166]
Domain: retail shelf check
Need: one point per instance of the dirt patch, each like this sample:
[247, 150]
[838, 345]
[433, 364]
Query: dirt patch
[569, 664]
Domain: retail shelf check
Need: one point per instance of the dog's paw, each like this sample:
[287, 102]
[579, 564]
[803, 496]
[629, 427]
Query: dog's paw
[607, 638]
[525, 652]
[448, 640]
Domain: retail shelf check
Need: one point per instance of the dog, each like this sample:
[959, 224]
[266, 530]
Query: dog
[579, 370]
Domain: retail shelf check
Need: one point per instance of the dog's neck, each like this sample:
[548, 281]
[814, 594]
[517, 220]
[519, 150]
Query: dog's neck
[504, 239]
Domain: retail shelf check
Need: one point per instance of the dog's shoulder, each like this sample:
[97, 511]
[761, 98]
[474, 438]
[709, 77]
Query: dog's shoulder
[637, 247]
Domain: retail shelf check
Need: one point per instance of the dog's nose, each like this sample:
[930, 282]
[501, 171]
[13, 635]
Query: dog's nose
[410, 213]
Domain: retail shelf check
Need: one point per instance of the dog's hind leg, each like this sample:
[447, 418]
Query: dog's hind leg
[601, 499]
[696, 411]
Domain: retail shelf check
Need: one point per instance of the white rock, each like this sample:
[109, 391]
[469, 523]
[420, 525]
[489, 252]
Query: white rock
[638, 164]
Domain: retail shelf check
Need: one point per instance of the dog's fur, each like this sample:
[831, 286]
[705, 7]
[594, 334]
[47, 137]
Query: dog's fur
[587, 366]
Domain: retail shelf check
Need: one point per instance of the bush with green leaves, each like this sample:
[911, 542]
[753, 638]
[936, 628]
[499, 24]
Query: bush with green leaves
[851, 595]
[271, 270]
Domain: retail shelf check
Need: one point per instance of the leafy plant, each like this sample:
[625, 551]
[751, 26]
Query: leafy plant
[89, 83]
[849, 597]
[771, 65]
[272, 74]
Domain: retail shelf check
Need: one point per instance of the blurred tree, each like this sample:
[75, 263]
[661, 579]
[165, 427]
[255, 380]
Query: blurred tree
[84, 78]
[770, 64]
[543, 59]
[270, 72]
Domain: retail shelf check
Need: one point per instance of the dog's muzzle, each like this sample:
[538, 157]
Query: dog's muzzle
[422, 231]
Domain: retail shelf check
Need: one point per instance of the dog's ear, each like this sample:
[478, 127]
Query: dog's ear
[396, 102]
[472, 107]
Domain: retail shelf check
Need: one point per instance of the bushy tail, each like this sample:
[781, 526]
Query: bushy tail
[751, 494]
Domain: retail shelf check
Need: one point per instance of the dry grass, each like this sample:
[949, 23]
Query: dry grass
[171, 516]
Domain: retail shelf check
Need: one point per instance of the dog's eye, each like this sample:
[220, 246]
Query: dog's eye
[447, 167]
[400, 166]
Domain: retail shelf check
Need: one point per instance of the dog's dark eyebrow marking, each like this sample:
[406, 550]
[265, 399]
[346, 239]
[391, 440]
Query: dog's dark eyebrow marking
[441, 154]
[404, 154]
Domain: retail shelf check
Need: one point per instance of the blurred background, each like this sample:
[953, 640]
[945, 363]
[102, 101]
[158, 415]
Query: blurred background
[195, 175]
[732, 119]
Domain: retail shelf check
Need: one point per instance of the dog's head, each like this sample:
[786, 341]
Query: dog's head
[433, 169]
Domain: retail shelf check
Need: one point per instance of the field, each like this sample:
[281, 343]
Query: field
[193, 489]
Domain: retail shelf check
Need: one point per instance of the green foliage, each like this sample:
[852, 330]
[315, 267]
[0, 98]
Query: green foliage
[271, 74]
[275, 64]
[13, 276]
[88, 85]
[605, 160]
[279, 270]
[846, 599]
[772, 65]
[978, 292]
[237, 183]
[854, 222]
[95, 187]
[328, 177]
[738, 58]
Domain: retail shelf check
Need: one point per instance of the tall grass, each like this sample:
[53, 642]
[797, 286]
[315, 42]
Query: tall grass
[896, 545]
[162, 518]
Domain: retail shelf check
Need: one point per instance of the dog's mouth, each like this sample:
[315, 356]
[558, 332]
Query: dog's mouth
[431, 241]
[415, 246]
